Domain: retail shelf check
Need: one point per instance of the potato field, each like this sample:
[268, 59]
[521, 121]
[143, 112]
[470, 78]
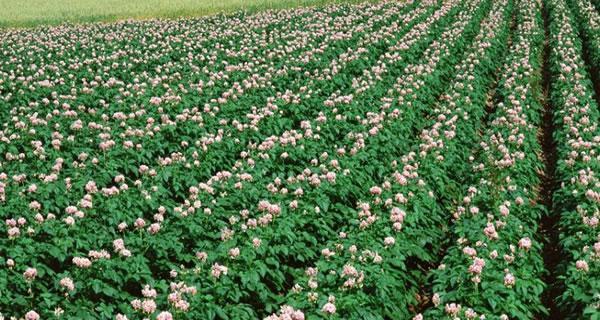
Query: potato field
[418, 159]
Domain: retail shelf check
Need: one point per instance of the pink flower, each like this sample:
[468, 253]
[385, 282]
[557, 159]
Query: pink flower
[91, 187]
[119, 245]
[477, 266]
[287, 313]
[182, 305]
[39, 218]
[217, 270]
[165, 315]
[490, 231]
[226, 234]
[154, 228]
[469, 251]
[436, 300]
[173, 297]
[69, 221]
[327, 253]
[136, 304]
[331, 176]
[234, 252]
[274, 209]
[71, 210]
[582, 265]
[102, 254]
[349, 271]
[155, 101]
[82, 262]
[13, 232]
[470, 314]
[202, 256]
[389, 241]
[34, 205]
[452, 309]
[139, 223]
[148, 306]
[67, 283]
[329, 308]
[377, 258]
[375, 190]
[311, 272]
[397, 215]
[525, 243]
[504, 210]
[32, 315]
[30, 274]
[148, 292]
[298, 315]
[509, 280]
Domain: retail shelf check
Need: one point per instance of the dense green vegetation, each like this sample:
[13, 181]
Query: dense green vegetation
[423, 159]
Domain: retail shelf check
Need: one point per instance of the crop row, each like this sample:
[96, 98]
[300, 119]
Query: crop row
[578, 139]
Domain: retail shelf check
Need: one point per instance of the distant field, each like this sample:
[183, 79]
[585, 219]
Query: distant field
[26, 13]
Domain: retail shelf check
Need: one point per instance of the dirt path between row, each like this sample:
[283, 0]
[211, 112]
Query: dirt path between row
[549, 223]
